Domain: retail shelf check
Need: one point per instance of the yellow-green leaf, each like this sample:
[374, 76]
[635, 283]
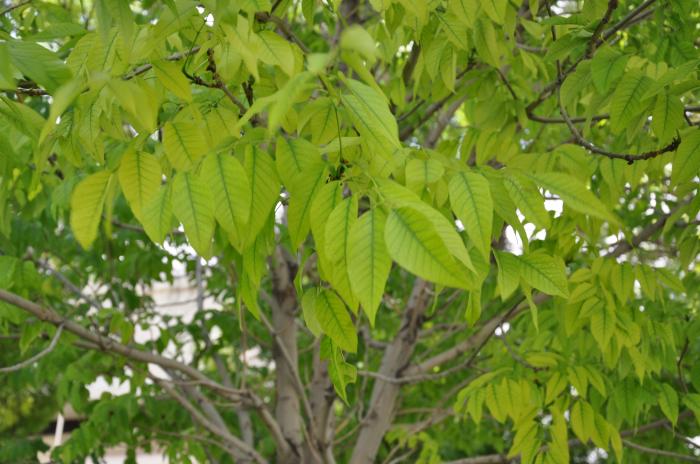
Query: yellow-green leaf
[470, 198]
[338, 226]
[139, 177]
[157, 217]
[193, 206]
[686, 163]
[323, 205]
[230, 189]
[334, 320]
[265, 188]
[184, 144]
[574, 194]
[626, 102]
[369, 112]
[545, 273]
[170, 74]
[300, 201]
[528, 200]
[87, 203]
[668, 402]
[368, 261]
[415, 245]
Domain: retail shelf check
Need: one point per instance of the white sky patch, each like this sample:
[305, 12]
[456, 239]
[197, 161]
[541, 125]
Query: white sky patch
[555, 205]
[502, 329]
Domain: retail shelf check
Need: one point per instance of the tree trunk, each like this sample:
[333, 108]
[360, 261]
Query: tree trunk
[380, 413]
[287, 411]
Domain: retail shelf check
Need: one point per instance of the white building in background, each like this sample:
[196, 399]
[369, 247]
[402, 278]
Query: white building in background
[178, 299]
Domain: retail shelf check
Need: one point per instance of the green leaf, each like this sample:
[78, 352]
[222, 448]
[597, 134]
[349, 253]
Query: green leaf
[470, 197]
[603, 322]
[668, 402]
[340, 372]
[667, 117]
[308, 308]
[368, 261]
[328, 197]
[415, 245]
[686, 162]
[545, 273]
[495, 9]
[87, 203]
[358, 39]
[583, 420]
[528, 200]
[139, 177]
[574, 194]
[338, 226]
[369, 112]
[265, 188]
[157, 215]
[184, 144]
[192, 204]
[473, 311]
[170, 74]
[559, 448]
[300, 201]
[607, 66]
[276, 51]
[231, 192]
[486, 42]
[294, 158]
[421, 173]
[508, 273]
[39, 64]
[399, 196]
[466, 10]
[626, 104]
[334, 320]
[138, 101]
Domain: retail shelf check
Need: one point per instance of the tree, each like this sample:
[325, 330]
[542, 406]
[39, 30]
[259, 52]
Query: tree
[455, 231]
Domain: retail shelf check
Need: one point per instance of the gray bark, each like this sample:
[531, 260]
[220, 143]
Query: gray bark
[287, 409]
[383, 402]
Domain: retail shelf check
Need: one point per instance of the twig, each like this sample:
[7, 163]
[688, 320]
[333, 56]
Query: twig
[659, 452]
[626, 20]
[515, 355]
[593, 42]
[36, 357]
[630, 158]
[679, 365]
[283, 27]
[14, 7]
[236, 445]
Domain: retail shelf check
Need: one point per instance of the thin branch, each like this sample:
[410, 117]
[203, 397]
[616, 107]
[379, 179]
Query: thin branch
[513, 354]
[36, 357]
[283, 27]
[659, 452]
[14, 7]
[36, 91]
[593, 42]
[110, 345]
[626, 20]
[630, 158]
[236, 445]
[410, 65]
[549, 89]
[679, 365]
[147, 66]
